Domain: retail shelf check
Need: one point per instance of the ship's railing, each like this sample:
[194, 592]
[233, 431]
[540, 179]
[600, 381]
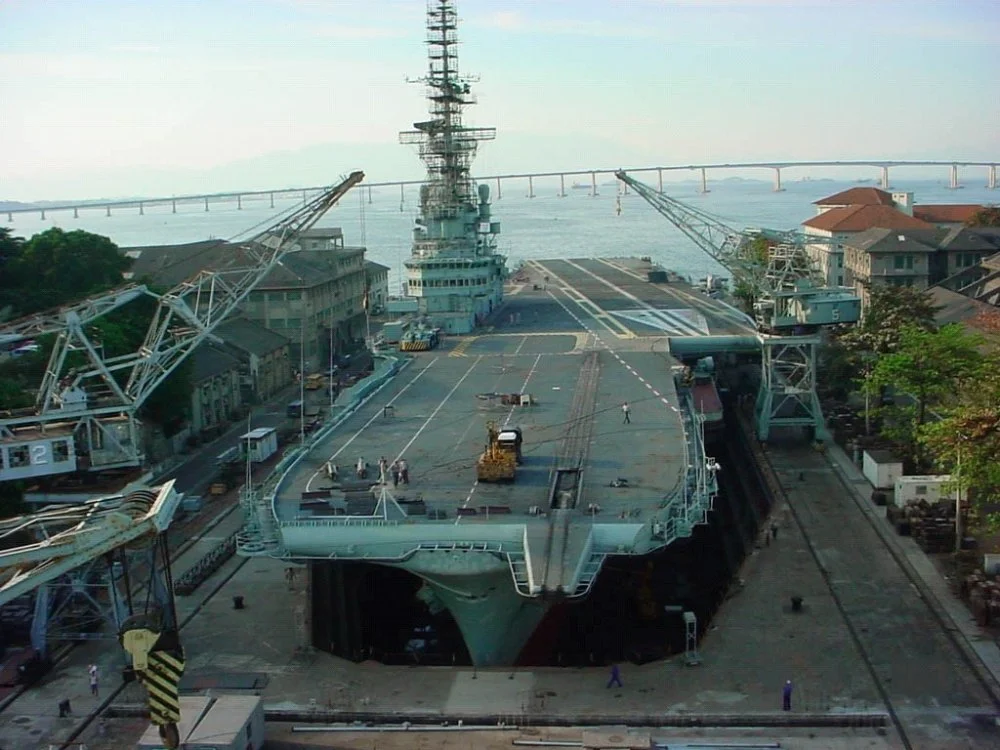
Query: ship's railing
[405, 550]
[689, 505]
[261, 534]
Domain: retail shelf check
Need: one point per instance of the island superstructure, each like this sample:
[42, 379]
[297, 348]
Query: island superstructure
[454, 272]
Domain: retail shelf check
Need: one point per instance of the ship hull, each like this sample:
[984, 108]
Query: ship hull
[495, 621]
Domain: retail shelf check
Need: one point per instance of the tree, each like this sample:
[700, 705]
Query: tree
[889, 310]
[11, 248]
[987, 216]
[928, 367]
[55, 267]
[758, 252]
[966, 442]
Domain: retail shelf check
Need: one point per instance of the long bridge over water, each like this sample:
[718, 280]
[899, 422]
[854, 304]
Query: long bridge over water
[589, 179]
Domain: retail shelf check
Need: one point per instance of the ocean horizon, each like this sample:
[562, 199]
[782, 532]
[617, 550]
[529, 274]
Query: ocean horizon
[546, 226]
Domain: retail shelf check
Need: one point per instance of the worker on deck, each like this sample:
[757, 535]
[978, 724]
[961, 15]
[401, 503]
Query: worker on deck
[394, 470]
[627, 411]
[362, 468]
[404, 471]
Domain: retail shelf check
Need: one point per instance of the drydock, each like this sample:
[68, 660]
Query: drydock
[574, 341]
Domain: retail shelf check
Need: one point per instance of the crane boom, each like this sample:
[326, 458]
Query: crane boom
[90, 411]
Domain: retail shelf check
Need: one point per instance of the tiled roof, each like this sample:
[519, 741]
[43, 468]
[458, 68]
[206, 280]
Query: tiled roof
[954, 307]
[250, 337]
[965, 240]
[945, 213]
[322, 233]
[210, 360]
[857, 196]
[172, 264]
[858, 218]
[881, 240]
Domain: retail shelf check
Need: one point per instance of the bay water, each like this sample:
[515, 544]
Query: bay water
[546, 226]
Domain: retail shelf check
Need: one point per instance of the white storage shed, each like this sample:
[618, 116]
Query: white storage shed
[259, 444]
[881, 468]
[929, 487]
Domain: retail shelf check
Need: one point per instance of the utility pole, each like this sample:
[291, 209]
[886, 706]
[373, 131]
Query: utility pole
[302, 378]
[329, 372]
[958, 498]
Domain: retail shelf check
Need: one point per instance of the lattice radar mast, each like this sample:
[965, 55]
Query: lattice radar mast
[445, 145]
[85, 413]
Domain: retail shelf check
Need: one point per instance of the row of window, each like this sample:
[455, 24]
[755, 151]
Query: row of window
[447, 282]
[453, 265]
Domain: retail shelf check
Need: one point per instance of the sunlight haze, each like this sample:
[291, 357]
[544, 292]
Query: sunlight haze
[109, 98]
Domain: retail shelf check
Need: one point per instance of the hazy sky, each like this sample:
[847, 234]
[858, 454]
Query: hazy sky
[127, 97]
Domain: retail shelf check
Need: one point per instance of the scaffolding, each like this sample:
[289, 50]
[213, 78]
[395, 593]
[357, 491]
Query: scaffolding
[445, 145]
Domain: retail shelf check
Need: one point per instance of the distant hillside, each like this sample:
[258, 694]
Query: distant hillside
[14, 205]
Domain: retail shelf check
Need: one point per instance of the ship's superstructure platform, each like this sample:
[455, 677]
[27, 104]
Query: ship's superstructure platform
[559, 361]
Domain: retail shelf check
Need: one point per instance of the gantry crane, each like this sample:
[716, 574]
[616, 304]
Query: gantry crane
[76, 560]
[85, 416]
[791, 305]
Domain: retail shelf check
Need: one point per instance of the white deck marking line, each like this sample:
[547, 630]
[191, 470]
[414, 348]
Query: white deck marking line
[439, 407]
[642, 379]
[656, 393]
[649, 386]
[717, 307]
[518, 350]
[598, 337]
[524, 385]
[596, 311]
[642, 303]
[367, 424]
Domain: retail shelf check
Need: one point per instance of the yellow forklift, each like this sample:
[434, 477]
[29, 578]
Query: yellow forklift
[499, 461]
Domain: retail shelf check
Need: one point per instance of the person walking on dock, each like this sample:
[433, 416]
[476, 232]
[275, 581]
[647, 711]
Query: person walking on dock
[786, 696]
[627, 411]
[404, 471]
[616, 676]
[92, 673]
[395, 473]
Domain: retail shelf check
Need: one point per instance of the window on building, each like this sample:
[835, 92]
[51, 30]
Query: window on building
[840, 281]
[901, 262]
[920, 489]
[840, 261]
[294, 322]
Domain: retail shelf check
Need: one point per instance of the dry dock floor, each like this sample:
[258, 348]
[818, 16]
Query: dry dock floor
[753, 646]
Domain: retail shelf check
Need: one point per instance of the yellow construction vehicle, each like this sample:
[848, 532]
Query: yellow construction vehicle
[499, 461]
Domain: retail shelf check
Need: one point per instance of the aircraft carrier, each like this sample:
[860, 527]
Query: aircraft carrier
[573, 341]
[555, 350]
